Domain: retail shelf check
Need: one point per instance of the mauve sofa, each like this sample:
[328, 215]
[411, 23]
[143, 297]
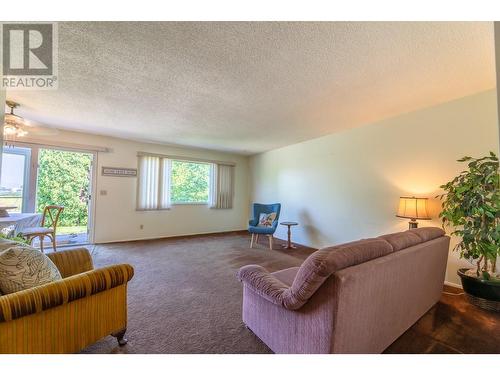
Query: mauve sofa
[353, 298]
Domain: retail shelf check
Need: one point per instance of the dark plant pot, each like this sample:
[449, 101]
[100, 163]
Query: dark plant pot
[482, 293]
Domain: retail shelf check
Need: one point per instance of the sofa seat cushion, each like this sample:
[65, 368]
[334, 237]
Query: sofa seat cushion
[287, 275]
[261, 230]
[402, 240]
[23, 267]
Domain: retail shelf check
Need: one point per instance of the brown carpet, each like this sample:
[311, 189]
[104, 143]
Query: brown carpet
[184, 297]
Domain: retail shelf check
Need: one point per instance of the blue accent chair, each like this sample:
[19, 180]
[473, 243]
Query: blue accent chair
[268, 231]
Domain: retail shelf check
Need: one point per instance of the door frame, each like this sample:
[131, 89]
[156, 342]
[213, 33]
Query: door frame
[27, 201]
[33, 176]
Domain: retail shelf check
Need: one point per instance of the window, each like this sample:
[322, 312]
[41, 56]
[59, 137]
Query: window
[163, 181]
[154, 183]
[14, 190]
[190, 182]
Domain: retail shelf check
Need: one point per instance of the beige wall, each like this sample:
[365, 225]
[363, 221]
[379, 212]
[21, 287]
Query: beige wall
[345, 186]
[497, 65]
[115, 216]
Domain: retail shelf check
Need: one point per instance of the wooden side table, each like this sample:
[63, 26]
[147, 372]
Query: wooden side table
[289, 224]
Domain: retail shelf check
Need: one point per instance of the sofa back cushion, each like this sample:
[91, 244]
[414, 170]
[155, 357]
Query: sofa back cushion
[412, 237]
[402, 240]
[23, 267]
[428, 233]
[321, 264]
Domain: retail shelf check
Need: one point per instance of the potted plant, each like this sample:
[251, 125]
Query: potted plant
[471, 204]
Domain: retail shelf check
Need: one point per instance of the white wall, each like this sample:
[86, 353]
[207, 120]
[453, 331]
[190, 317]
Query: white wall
[116, 218]
[2, 112]
[345, 186]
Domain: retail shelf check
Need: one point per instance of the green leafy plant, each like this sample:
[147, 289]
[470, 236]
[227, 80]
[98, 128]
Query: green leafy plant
[471, 204]
[190, 181]
[63, 179]
[13, 238]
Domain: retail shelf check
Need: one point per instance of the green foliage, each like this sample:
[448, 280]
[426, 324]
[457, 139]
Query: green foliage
[63, 179]
[471, 204]
[13, 238]
[190, 182]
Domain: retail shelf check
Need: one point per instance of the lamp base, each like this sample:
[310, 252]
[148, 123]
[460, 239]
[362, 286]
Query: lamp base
[412, 224]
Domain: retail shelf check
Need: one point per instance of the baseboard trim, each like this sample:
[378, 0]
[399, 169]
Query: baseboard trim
[205, 234]
[284, 241]
[181, 236]
[453, 285]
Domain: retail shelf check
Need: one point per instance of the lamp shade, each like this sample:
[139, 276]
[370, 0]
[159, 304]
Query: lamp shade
[413, 208]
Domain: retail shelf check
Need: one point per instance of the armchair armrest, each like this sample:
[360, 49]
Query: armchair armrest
[260, 281]
[253, 222]
[44, 297]
[72, 262]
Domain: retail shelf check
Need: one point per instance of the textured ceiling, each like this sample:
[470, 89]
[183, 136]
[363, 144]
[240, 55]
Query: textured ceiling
[251, 87]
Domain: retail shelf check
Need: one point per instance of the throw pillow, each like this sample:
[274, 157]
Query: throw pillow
[23, 267]
[5, 244]
[266, 220]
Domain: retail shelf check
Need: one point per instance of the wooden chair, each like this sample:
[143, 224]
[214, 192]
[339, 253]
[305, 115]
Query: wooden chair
[48, 227]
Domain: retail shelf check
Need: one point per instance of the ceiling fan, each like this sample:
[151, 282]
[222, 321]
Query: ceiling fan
[16, 126]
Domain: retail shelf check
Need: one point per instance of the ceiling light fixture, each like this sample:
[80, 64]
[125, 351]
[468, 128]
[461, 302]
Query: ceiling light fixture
[13, 126]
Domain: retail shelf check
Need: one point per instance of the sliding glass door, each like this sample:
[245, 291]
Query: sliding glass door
[64, 178]
[35, 176]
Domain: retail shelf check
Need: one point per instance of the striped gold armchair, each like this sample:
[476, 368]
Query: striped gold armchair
[67, 315]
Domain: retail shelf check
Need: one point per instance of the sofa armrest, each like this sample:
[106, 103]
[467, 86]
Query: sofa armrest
[253, 222]
[72, 262]
[47, 296]
[260, 281]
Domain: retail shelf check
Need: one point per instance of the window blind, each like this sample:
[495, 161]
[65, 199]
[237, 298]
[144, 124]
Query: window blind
[222, 186]
[149, 174]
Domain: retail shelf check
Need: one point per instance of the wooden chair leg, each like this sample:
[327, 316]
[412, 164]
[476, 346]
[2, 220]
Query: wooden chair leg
[120, 337]
[251, 242]
[53, 242]
[270, 242]
[256, 238]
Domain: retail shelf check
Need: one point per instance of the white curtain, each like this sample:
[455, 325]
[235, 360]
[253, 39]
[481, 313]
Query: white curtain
[222, 186]
[149, 173]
